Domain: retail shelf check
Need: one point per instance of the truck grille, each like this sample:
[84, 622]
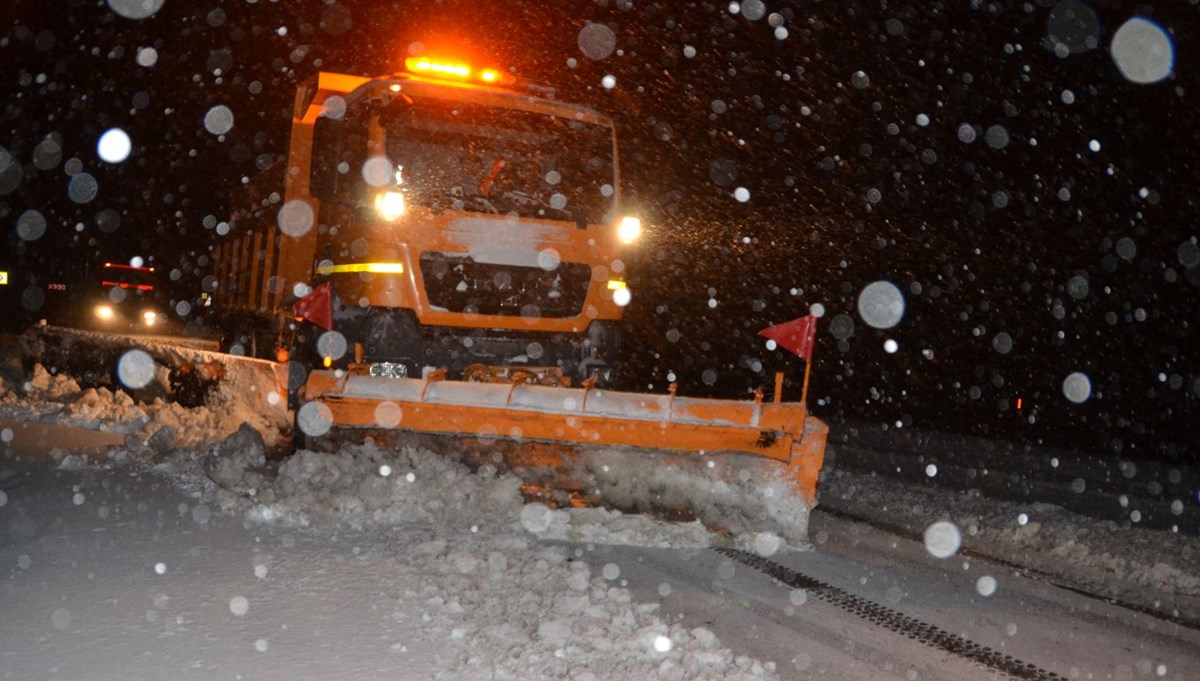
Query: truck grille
[459, 284]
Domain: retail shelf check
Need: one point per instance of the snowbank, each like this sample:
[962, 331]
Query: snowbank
[365, 487]
[1100, 555]
[246, 394]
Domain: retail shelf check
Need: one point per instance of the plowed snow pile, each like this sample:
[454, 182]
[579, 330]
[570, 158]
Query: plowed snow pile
[364, 487]
[741, 495]
[505, 605]
[1094, 553]
[244, 395]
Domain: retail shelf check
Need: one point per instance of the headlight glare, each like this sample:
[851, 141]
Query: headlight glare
[389, 205]
[629, 229]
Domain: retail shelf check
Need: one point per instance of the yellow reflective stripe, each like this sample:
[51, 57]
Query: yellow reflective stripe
[372, 267]
[614, 284]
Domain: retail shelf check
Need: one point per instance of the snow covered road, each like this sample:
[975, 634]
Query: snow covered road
[1051, 630]
[33, 439]
[122, 577]
[126, 569]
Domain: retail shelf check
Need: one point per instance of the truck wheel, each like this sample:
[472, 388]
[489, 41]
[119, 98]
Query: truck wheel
[299, 439]
[241, 342]
[297, 376]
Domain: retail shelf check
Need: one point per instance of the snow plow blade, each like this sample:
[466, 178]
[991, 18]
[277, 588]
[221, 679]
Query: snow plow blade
[757, 462]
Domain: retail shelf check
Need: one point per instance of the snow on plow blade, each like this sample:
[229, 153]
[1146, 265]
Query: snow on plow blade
[739, 465]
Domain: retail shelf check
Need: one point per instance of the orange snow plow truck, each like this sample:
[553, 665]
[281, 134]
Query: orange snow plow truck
[444, 268]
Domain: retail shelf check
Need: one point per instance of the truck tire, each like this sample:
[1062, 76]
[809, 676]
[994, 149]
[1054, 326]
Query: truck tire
[241, 341]
[299, 439]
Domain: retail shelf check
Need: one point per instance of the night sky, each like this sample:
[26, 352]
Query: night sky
[1034, 206]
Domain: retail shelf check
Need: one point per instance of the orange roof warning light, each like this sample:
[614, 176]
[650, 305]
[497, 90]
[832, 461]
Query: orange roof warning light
[451, 70]
[437, 68]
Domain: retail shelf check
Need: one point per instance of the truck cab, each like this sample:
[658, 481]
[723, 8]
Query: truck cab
[453, 219]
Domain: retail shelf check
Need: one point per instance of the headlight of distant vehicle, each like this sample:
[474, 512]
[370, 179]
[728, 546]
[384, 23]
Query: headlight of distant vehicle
[149, 317]
[629, 229]
[104, 312]
[389, 205]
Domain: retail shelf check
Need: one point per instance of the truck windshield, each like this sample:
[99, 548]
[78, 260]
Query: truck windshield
[484, 158]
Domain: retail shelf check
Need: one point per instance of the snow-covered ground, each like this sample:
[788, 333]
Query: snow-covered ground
[375, 562]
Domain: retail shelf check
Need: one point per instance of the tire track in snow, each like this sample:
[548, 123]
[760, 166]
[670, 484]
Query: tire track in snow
[1032, 573]
[893, 620]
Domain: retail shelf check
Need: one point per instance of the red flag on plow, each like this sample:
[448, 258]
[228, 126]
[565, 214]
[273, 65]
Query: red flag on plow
[797, 336]
[317, 306]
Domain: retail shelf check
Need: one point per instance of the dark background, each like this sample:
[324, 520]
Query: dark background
[1086, 261]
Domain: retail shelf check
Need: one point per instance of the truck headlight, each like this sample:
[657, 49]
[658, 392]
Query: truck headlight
[104, 312]
[149, 317]
[629, 229]
[389, 205]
